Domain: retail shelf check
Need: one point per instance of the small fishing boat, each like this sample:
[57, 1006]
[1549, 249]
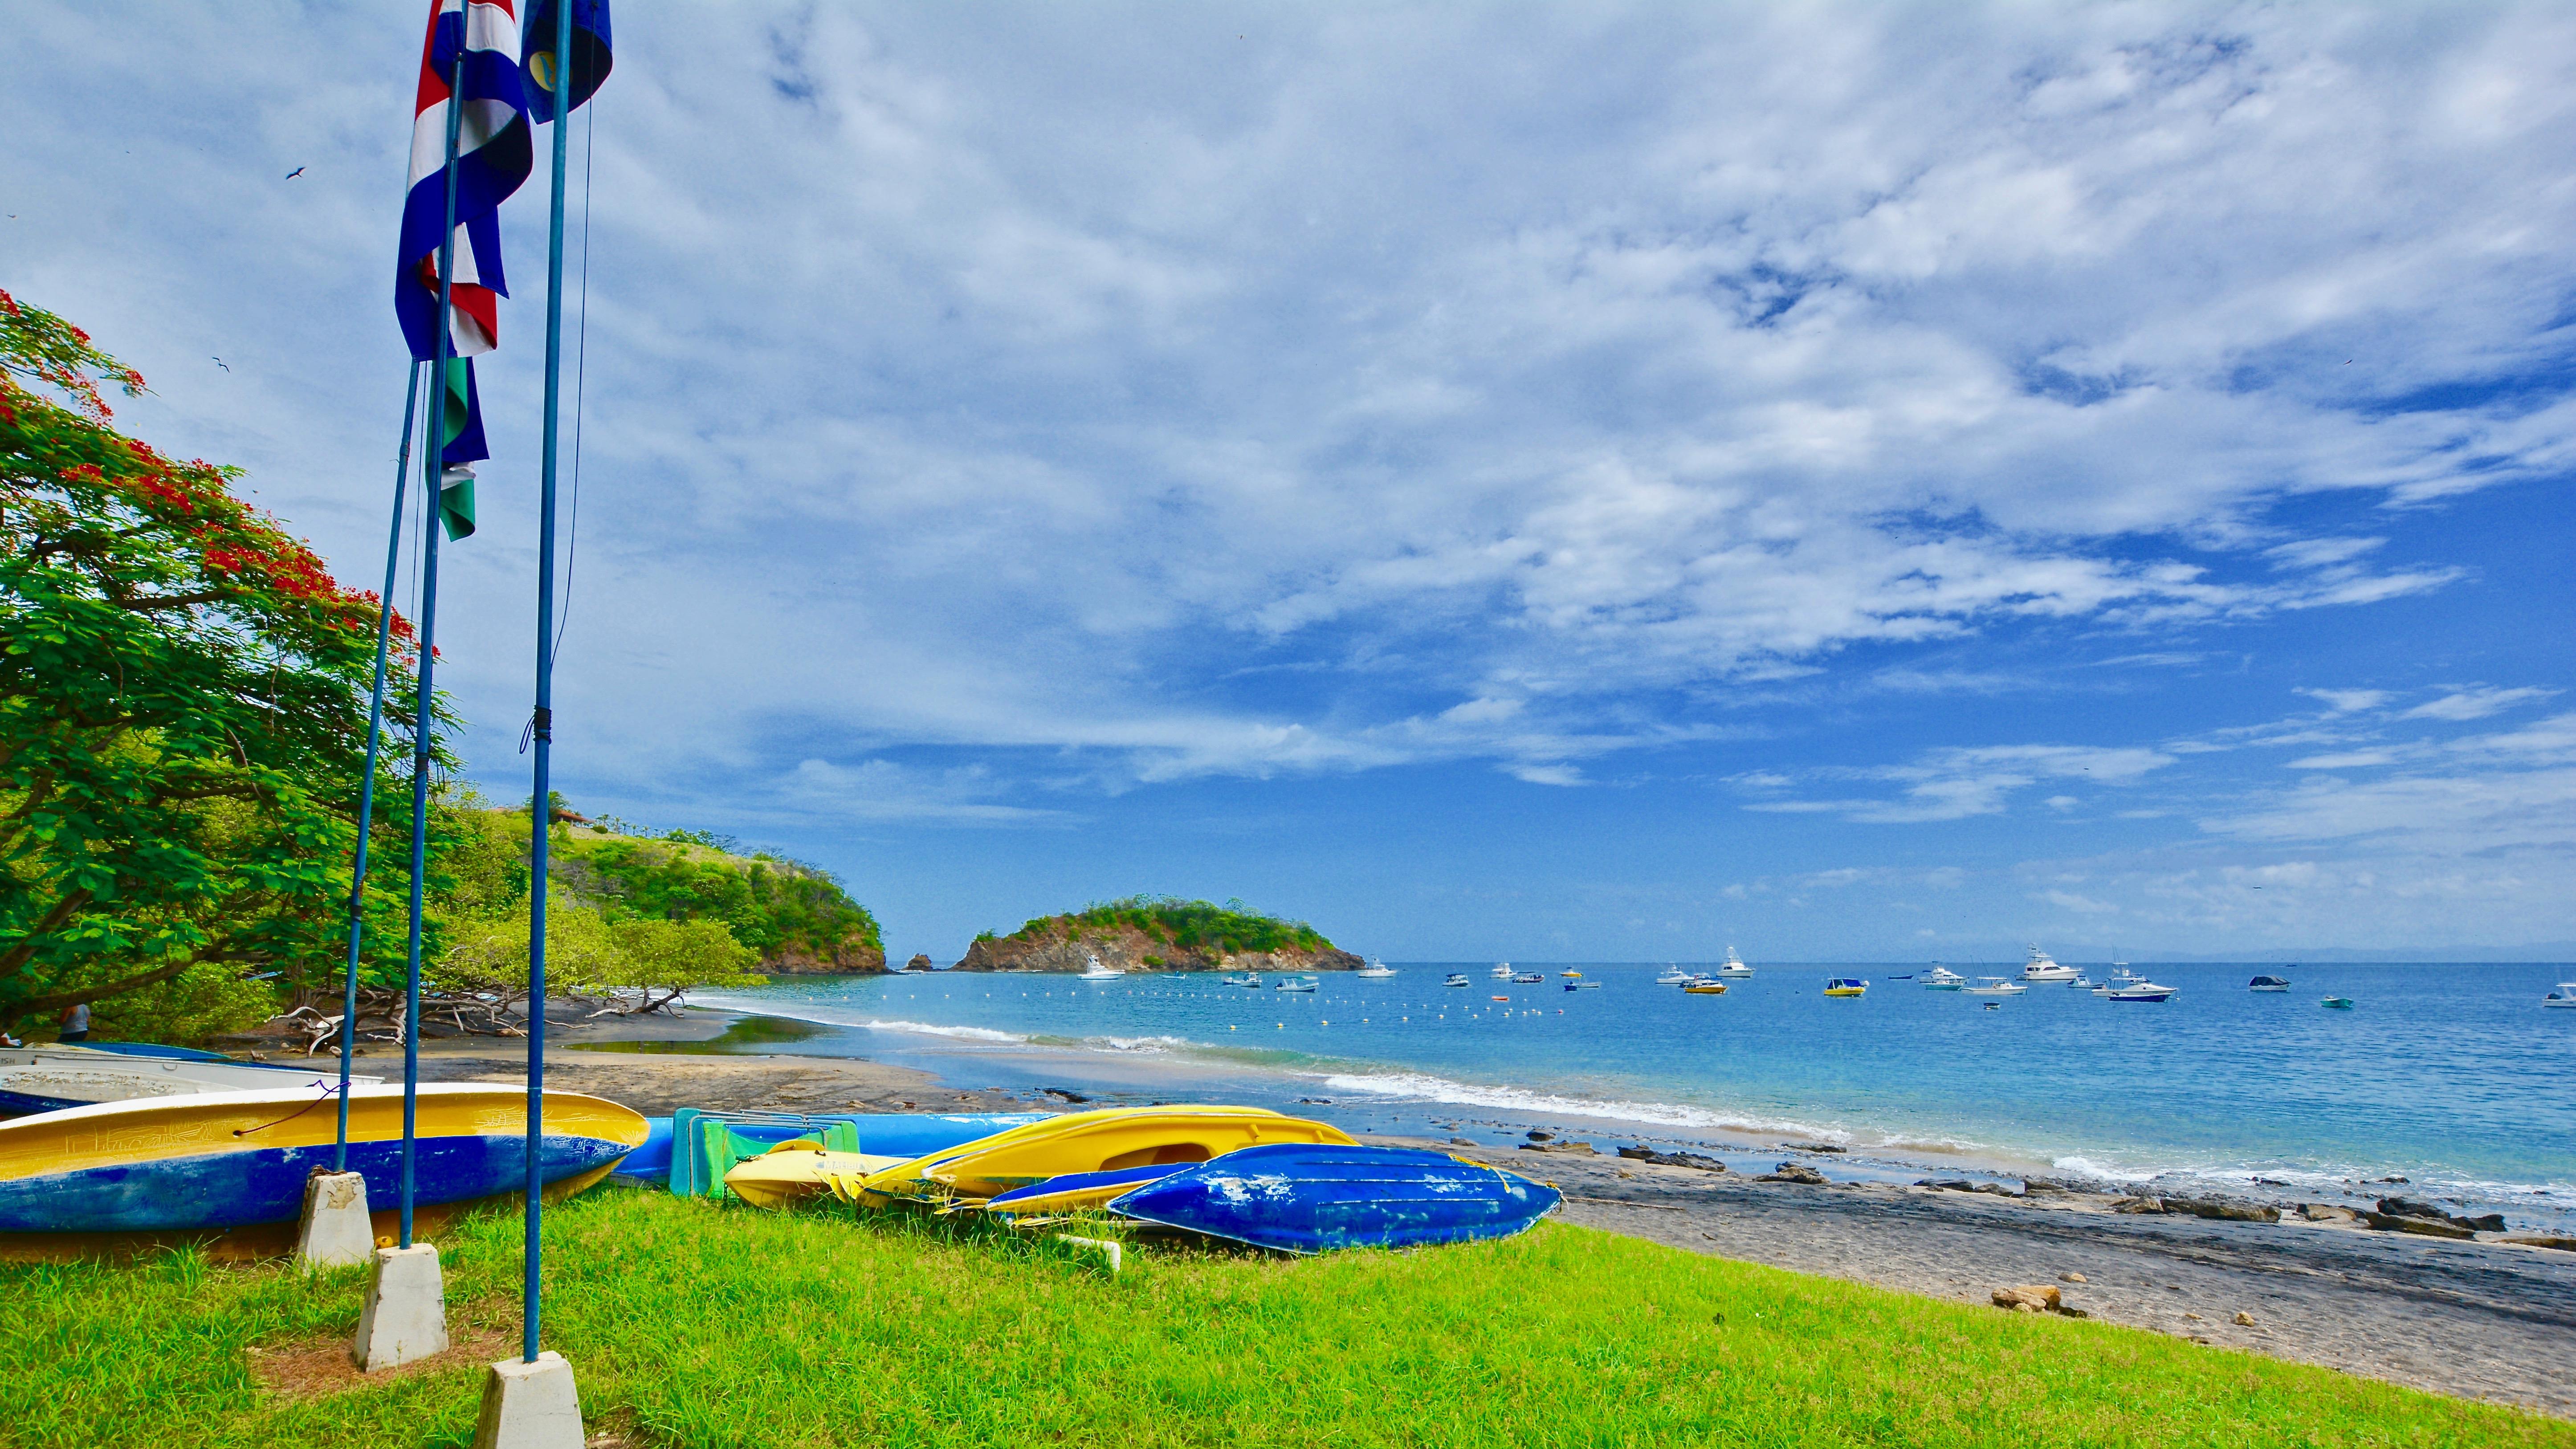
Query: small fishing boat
[1846, 986]
[52, 1078]
[1250, 982]
[1528, 978]
[227, 1169]
[1502, 998]
[1097, 972]
[2039, 967]
[1313, 1199]
[1098, 1141]
[1457, 978]
[2081, 982]
[2268, 983]
[1708, 986]
[1571, 975]
[2338, 1003]
[1994, 986]
[2138, 988]
[1733, 967]
[2564, 996]
[1941, 978]
[2120, 977]
[1294, 983]
[1673, 976]
[1502, 971]
[1375, 970]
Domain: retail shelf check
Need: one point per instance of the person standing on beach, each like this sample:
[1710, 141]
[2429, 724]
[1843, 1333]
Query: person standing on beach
[75, 1023]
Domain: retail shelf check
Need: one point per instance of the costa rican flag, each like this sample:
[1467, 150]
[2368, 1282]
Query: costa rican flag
[493, 156]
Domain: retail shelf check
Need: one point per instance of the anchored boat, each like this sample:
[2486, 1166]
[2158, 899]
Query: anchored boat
[1941, 978]
[1733, 966]
[2041, 968]
[1846, 986]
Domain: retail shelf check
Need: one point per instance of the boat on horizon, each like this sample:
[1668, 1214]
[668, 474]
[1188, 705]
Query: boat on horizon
[1733, 967]
[1502, 971]
[1994, 986]
[1942, 978]
[1673, 976]
[2337, 1003]
[1294, 983]
[1250, 981]
[1457, 978]
[2564, 996]
[1375, 970]
[2268, 983]
[2139, 988]
[2042, 967]
[1097, 972]
[1704, 986]
[1846, 986]
[1528, 978]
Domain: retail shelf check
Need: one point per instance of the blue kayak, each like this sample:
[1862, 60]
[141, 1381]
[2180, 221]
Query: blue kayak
[1300, 1198]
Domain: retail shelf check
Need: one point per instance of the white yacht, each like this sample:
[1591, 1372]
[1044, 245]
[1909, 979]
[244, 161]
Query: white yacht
[1097, 972]
[2040, 968]
[2120, 977]
[1673, 976]
[1375, 970]
[2139, 988]
[1994, 986]
[2565, 995]
[1733, 968]
[1502, 971]
[1457, 978]
[1250, 980]
[1942, 978]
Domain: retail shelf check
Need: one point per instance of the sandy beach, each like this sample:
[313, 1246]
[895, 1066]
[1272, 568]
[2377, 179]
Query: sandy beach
[2484, 1320]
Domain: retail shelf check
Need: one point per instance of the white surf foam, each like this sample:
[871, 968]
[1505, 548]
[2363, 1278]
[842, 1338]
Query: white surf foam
[1419, 1087]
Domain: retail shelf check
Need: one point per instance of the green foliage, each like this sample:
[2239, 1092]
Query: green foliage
[587, 951]
[773, 906]
[183, 704]
[1189, 925]
[908, 1332]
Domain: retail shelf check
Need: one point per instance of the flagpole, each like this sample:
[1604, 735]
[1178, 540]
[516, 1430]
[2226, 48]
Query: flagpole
[541, 812]
[367, 787]
[433, 470]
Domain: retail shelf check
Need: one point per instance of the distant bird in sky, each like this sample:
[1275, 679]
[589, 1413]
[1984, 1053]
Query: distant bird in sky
[298, 171]
[219, 362]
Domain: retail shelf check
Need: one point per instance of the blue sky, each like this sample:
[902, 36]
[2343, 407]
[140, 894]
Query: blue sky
[1602, 481]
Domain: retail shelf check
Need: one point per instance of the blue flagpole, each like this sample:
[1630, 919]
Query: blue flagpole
[541, 812]
[367, 787]
[433, 469]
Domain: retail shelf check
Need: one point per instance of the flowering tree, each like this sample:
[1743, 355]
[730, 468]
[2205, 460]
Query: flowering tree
[183, 712]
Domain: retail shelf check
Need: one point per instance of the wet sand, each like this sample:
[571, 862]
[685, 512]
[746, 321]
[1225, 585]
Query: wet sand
[2477, 1319]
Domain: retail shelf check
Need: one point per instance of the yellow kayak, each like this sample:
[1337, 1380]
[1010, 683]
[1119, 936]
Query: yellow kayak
[1087, 1142]
[793, 1170]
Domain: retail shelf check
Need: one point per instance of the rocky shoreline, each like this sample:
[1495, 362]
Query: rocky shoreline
[1125, 948]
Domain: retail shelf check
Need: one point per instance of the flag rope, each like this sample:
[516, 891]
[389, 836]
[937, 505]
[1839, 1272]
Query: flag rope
[367, 786]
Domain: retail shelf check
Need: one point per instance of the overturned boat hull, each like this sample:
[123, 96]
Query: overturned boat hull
[1314, 1199]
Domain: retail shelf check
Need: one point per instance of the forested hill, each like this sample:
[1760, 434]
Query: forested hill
[1159, 933]
[796, 916]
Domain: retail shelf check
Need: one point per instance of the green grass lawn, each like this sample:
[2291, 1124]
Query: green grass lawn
[694, 1324]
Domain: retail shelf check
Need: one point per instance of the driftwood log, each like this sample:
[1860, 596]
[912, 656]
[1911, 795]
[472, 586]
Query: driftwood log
[316, 1019]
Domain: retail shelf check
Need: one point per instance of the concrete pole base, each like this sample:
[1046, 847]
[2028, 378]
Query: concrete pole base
[1110, 1250]
[406, 1314]
[530, 1406]
[336, 1230]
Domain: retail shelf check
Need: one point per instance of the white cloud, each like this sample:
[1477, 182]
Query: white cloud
[2477, 703]
[2349, 760]
[2349, 701]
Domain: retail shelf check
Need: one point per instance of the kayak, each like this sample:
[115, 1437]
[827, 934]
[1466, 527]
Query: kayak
[53, 1078]
[1078, 1191]
[1298, 1198]
[1088, 1142]
[228, 1169]
[795, 1170]
[681, 1154]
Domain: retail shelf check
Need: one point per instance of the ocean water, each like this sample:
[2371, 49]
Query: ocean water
[2450, 1076]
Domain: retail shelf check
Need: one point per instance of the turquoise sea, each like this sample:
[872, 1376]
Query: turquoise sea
[2451, 1077]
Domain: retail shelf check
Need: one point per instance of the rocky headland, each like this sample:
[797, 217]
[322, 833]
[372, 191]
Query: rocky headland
[1145, 934]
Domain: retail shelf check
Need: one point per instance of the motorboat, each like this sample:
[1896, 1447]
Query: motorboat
[1097, 972]
[2081, 982]
[1529, 978]
[1583, 986]
[2337, 1003]
[1570, 973]
[1502, 971]
[1457, 978]
[1375, 970]
[1250, 980]
[2041, 968]
[1942, 978]
[1294, 983]
[52, 1078]
[2139, 988]
[2268, 983]
[1673, 976]
[1733, 967]
[1704, 986]
[1846, 986]
[1994, 986]
[2564, 995]
[2119, 977]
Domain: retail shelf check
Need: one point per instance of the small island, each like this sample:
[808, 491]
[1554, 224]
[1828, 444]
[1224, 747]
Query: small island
[1159, 933]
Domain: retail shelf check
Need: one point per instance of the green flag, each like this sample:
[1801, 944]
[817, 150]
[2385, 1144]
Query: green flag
[460, 444]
